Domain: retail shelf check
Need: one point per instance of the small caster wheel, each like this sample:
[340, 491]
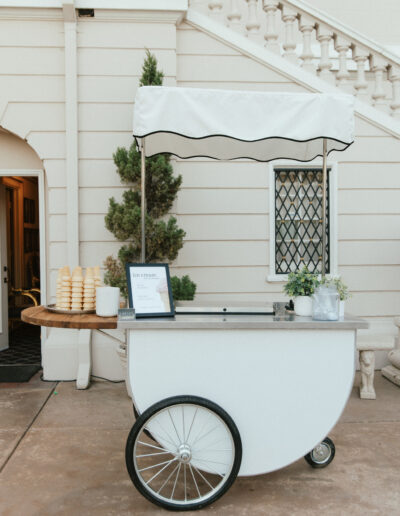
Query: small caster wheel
[322, 454]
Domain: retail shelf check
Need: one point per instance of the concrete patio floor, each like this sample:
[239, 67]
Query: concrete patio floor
[62, 452]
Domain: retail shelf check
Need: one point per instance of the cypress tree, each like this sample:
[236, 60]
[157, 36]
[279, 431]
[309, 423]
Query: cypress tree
[164, 238]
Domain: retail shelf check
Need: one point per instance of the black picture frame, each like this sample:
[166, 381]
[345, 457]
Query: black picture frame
[130, 269]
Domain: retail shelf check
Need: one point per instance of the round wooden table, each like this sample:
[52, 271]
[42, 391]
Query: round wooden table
[85, 324]
[40, 316]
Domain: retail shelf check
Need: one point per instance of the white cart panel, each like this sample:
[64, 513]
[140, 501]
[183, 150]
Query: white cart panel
[285, 390]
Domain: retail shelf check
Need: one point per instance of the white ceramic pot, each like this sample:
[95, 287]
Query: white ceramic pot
[341, 308]
[303, 306]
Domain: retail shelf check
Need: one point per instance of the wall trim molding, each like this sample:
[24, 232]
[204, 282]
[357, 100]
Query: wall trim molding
[71, 136]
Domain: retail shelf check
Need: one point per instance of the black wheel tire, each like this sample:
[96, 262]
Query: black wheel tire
[313, 460]
[168, 402]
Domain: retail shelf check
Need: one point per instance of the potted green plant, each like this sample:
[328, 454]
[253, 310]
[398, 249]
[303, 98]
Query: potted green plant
[301, 286]
[342, 289]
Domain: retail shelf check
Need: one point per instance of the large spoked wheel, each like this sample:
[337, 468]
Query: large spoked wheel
[196, 456]
[322, 454]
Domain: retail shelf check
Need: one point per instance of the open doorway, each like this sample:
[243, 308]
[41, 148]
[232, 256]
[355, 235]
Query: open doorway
[20, 269]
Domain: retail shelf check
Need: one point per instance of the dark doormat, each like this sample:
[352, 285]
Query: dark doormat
[17, 373]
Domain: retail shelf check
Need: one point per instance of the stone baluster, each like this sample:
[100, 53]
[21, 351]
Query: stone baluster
[271, 34]
[234, 16]
[342, 47]
[360, 56]
[252, 25]
[307, 25]
[289, 46]
[378, 66]
[324, 36]
[394, 78]
[215, 9]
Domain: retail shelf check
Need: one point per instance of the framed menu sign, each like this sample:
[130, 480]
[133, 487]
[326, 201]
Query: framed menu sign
[149, 289]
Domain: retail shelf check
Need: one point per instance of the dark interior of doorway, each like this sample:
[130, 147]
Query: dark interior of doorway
[23, 270]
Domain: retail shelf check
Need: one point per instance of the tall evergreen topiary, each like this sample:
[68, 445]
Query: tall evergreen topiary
[164, 238]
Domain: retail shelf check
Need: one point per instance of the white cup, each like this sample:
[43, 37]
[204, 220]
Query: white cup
[107, 301]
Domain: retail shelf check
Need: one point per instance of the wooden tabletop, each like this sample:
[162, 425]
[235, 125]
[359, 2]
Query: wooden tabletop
[40, 316]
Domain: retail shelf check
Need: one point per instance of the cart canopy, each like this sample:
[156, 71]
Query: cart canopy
[225, 125]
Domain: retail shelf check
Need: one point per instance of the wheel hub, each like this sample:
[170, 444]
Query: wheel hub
[321, 453]
[184, 453]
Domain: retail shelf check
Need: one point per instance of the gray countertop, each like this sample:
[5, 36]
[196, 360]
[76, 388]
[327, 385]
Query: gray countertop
[242, 321]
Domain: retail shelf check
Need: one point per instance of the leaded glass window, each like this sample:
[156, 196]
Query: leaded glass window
[298, 220]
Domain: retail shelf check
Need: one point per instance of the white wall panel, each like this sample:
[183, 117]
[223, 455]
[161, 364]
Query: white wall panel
[94, 253]
[375, 149]
[92, 228]
[98, 173]
[229, 68]
[230, 279]
[218, 174]
[233, 201]
[32, 61]
[57, 201]
[102, 145]
[191, 42]
[105, 117]
[57, 255]
[48, 145]
[375, 278]
[24, 33]
[55, 171]
[112, 88]
[36, 88]
[224, 227]
[242, 84]
[21, 117]
[57, 228]
[369, 201]
[374, 304]
[106, 61]
[369, 252]
[96, 201]
[224, 253]
[369, 227]
[368, 175]
[153, 36]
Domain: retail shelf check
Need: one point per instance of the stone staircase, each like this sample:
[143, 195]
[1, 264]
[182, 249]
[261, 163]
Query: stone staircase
[331, 54]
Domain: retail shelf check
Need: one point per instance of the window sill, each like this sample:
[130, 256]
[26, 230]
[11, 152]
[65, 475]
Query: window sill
[277, 278]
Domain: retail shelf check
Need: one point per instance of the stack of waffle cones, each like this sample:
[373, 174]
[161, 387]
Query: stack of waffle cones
[63, 294]
[77, 292]
[77, 289]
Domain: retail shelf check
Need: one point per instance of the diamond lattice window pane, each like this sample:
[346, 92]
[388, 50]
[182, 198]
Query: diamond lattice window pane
[298, 220]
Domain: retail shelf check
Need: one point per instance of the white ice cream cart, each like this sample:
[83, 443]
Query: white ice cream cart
[220, 395]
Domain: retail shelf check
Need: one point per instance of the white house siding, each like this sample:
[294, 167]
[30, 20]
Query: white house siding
[32, 102]
[110, 57]
[224, 206]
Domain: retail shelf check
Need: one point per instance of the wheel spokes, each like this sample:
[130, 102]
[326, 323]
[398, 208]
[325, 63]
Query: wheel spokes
[189, 475]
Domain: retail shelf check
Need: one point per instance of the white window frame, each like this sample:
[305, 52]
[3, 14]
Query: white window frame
[333, 218]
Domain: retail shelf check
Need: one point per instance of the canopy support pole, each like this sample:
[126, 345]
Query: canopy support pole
[324, 184]
[143, 202]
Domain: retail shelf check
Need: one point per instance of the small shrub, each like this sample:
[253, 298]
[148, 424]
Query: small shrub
[183, 289]
[302, 283]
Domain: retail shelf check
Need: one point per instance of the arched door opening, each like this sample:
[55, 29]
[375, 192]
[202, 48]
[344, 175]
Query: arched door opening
[20, 271]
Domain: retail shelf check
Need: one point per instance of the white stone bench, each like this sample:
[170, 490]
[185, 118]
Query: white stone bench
[367, 344]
